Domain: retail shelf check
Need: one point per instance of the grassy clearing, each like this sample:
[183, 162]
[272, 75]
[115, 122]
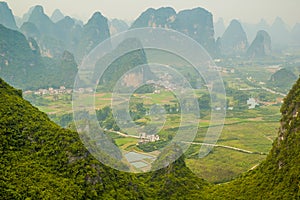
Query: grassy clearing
[125, 141]
[222, 165]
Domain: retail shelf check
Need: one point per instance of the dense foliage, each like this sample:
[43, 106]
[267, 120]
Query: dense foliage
[40, 160]
[22, 66]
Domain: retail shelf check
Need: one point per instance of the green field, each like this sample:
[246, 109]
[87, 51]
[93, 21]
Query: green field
[125, 141]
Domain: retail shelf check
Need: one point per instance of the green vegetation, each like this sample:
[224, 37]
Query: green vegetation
[106, 119]
[278, 176]
[40, 160]
[23, 66]
[282, 79]
[149, 147]
[123, 64]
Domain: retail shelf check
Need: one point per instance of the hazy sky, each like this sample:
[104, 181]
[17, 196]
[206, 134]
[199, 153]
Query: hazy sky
[245, 10]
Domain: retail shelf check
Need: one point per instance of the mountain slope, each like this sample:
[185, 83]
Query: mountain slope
[282, 80]
[40, 160]
[295, 34]
[196, 23]
[6, 17]
[42, 21]
[280, 33]
[117, 26]
[279, 176]
[219, 27]
[95, 31]
[234, 40]
[162, 17]
[261, 46]
[57, 15]
[22, 65]
[252, 29]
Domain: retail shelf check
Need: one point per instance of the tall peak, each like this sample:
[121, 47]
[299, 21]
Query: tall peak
[39, 9]
[234, 40]
[57, 15]
[6, 16]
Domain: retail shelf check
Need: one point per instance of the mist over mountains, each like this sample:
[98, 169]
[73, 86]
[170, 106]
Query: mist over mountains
[57, 33]
[234, 40]
[279, 31]
[261, 45]
[6, 17]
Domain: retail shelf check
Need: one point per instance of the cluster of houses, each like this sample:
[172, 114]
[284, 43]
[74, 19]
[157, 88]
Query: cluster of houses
[50, 91]
[223, 69]
[165, 81]
[252, 102]
[144, 138]
[61, 90]
[84, 90]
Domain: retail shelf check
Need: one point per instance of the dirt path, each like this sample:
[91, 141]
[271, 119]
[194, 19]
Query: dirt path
[226, 147]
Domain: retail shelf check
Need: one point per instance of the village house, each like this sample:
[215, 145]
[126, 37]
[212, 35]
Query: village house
[144, 138]
[252, 103]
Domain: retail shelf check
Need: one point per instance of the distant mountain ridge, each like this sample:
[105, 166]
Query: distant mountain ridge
[279, 32]
[295, 34]
[57, 15]
[234, 40]
[6, 17]
[22, 65]
[117, 26]
[55, 34]
[219, 28]
[252, 29]
[196, 23]
[93, 33]
[64, 33]
[261, 45]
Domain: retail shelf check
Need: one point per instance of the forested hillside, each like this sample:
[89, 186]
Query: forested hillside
[40, 160]
[22, 65]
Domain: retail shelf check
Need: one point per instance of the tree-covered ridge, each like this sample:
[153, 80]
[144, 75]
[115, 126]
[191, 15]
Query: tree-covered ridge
[22, 66]
[40, 160]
